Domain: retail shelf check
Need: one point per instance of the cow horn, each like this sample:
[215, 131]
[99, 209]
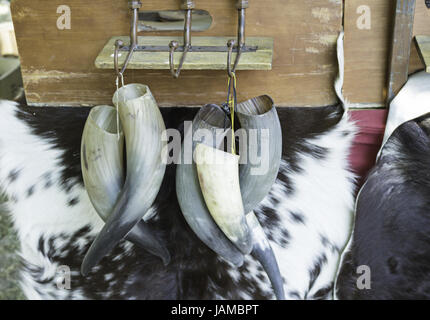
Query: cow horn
[218, 173]
[258, 117]
[258, 114]
[103, 173]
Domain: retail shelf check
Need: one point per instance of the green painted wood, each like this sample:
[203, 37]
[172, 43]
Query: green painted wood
[259, 60]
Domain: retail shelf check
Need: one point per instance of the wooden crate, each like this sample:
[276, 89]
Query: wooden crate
[58, 65]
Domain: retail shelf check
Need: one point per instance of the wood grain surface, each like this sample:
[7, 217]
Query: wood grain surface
[58, 65]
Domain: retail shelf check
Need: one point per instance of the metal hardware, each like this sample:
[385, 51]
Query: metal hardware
[134, 5]
[231, 43]
[189, 6]
[241, 6]
[191, 49]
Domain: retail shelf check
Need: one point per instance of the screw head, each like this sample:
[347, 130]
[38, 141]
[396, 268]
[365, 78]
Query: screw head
[242, 4]
[173, 44]
[231, 43]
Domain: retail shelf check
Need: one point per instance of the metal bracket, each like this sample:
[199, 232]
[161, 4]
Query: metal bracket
[190, 49]
[188, 5]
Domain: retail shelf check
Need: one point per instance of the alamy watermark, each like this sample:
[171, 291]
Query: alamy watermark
[64, 21]
[364, 281]
[63, 278]
[253, 146]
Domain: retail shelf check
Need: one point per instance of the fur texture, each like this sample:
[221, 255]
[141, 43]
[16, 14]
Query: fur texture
[392, 234]
[307, 216]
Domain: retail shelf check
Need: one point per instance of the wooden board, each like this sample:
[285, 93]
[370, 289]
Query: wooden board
[259, 60]
[400, 47]
[367, 50]
[58, 65]
[423, 46]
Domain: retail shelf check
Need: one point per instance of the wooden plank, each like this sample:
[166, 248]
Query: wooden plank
[401, 47]
[259, 60]
[367, 26]
[423, 45]
[367, 50]
[58, 65]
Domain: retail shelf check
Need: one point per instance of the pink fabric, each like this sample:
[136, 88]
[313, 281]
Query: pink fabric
[371, 124]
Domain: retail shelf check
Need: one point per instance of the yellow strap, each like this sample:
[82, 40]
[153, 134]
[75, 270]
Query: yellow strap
[231, 103]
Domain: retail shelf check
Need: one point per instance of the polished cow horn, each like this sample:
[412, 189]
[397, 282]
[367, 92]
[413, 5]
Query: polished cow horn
[218, 173]
[211, 119]
[103, 173]
[262, 155]
[143, 126]
[259, 119]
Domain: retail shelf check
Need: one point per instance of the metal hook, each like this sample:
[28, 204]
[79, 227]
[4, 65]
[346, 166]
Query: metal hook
[241, 5]
[134, 5]
[118, 45]
[188, 5]
[230, 70]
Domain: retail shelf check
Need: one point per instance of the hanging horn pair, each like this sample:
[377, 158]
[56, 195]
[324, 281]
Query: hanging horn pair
[103, 173]
[142, 125]
[227, 201]
[210, 120]
[197, 197]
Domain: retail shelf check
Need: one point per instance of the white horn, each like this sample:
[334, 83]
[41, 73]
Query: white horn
[218, 173]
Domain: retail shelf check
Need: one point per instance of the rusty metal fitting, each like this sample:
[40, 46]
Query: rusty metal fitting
[188, 5]
[135, 4]
[242, 4]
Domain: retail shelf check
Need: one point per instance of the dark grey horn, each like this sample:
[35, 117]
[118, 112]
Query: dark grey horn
[259, 115]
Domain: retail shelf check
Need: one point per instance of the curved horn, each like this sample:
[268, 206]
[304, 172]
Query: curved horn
[259, 119]
[103, 173]
[190, 197]
[262, 158]
[218, 173]
[143, 126]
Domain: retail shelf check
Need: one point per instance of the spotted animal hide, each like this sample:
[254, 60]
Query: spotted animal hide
[307, 216]
[389, 254]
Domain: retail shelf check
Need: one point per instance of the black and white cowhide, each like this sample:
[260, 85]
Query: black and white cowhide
[307, 216]
[391, 237]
